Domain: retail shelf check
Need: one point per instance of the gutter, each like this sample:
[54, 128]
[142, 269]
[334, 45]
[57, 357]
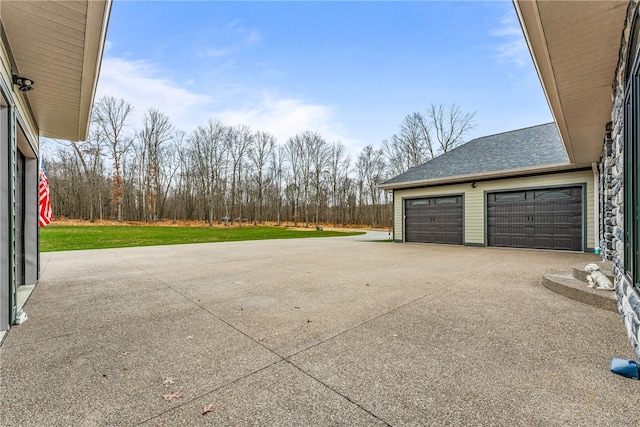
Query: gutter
[555, 167]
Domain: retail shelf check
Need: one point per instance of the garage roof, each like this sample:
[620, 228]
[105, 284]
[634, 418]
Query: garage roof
[528, 150]
[58, 45]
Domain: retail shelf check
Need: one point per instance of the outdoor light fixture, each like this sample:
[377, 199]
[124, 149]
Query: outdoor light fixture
[473, 184]
[23, 83]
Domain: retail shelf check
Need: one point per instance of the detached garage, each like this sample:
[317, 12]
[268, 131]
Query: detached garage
[515, 189]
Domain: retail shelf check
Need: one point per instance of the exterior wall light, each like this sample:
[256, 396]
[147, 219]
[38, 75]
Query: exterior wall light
[473, 185]
[24, 84]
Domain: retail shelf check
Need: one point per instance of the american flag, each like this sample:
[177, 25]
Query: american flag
[44, 201]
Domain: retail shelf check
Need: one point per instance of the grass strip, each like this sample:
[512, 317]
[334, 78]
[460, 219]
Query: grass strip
[67, 238]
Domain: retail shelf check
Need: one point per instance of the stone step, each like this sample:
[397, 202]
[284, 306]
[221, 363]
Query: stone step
[581, 274]
[564, 283]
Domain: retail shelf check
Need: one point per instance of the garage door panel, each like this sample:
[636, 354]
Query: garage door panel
[420, 237]
[545, 230]
[542, 242]
[514, 229]
[421, 220]
[516, 241]
[434, 220]
[538, 218]
[559, 243]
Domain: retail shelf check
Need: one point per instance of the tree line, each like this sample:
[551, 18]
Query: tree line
[233, 174]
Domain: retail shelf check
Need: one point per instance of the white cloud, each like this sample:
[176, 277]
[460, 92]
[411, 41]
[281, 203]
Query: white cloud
[286, 117]
[216, 53]
[250, 35]
[144, 86]
[253, 37]
[513, 47]
[235, 24]
[140, 84]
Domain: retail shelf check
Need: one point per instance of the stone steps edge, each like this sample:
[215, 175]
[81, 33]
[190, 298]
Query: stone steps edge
[576, 290]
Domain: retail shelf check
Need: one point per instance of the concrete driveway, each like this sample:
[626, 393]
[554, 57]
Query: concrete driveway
[312, 332]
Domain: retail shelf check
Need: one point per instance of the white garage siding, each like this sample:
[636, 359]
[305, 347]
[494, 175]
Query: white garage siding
[474, 201]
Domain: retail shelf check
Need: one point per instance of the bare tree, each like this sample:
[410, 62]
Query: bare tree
[449, 125]
[155, 134]
[187, 169]
[89, 154]
[278, 156]
[318, 151]
[169, 168]
[423, 137]
[239, 139]
[209, 149]
[294, 153]
[308, 155]
[395, 160]
[411, 146]
[338, 170]
[216, 170]
[110, 117]
[260, 154]
[69, 172]
[371, 169]
[305, 144]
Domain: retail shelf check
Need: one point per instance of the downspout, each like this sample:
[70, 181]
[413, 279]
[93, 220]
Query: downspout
[596, 207]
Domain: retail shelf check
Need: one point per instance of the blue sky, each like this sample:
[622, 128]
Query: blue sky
[348, 70]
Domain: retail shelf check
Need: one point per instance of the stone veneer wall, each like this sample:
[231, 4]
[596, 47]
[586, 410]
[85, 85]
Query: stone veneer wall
[609, 185]
[612, 202]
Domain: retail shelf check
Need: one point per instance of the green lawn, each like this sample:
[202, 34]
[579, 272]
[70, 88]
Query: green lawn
[68, 237]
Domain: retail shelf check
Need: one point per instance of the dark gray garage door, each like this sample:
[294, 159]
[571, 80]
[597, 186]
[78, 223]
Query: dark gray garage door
[542, 219]
[434, 220]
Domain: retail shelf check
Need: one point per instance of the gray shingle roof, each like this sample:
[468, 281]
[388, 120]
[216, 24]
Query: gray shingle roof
[534, 146]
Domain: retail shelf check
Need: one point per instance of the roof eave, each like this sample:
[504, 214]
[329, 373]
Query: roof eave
[60, 47]
[98, 20]
[575, 48]
[511, 173]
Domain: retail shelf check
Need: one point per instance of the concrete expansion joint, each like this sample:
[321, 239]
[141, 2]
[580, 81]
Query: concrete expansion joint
[351, 401]
[201, 395]
[280, 358]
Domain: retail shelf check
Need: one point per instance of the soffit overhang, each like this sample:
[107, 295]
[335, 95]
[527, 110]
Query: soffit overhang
[575, 47]
[59, 45]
